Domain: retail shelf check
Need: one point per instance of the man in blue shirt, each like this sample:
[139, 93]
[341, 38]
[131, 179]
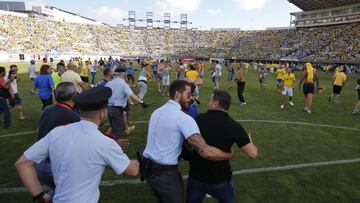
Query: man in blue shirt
[169, 126]
[118, 114]
[79, 153]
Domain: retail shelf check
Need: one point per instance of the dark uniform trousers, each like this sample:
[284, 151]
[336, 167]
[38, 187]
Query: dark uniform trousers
[166, 182]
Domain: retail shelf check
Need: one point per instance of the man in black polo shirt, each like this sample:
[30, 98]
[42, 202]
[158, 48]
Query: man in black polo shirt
[61, 113]
[220, 131]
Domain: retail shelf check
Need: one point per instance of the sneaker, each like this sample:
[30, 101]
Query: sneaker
[291, 103]
[243, 104]
[129, 130]
[282, 107]
[356, 112]
[305, 109]
[308, 111]
[92, 85]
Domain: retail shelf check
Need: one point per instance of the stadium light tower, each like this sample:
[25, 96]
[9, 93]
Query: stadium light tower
[183, 21]
[166, 20]
[149, 20]
[132, 19]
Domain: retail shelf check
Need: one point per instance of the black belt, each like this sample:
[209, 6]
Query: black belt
[155, 166]
[142, 81]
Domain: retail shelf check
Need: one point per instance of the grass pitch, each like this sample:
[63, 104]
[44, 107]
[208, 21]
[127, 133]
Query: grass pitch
[279, 144]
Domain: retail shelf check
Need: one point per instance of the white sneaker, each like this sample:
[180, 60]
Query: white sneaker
[308, 111]
[243, 104]
[282, 107]
[291, 103]
[305, 109]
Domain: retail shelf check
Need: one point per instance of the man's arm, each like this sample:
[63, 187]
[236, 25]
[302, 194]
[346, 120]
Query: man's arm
[27, 172]
[132, 169]
[250, 149]
[208, 152]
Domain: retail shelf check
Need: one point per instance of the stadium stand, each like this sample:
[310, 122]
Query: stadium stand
[29, 35]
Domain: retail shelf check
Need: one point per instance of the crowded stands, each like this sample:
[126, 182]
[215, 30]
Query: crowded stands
[35, 35]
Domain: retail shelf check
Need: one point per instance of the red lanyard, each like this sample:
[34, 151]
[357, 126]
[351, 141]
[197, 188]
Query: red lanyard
[65, 105]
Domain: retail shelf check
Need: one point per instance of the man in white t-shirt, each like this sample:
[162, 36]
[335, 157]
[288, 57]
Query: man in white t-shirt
[16, 100]
[217, 74]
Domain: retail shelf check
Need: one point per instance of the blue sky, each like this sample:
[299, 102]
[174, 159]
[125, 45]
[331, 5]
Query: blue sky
[204, 14]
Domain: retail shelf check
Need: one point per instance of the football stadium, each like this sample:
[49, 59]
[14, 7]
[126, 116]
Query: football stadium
[286, 100]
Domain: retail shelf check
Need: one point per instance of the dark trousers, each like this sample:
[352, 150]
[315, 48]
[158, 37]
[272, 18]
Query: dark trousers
[240, 91]
[45, 175]
[167, 185]
[4, 109]
[196, 191]
[47, 102]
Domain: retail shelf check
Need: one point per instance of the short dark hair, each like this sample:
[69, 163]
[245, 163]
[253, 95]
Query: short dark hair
[178, 85]
[44, 69]
[223, 97]
[106, 71]
[65, 91]
[2, 69]
[13, 66]
[192, 67]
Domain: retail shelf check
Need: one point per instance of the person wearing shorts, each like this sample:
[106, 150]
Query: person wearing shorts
[289, 81]
[338, 83]
[308, 78]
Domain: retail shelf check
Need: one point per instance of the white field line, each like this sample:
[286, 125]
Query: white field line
[245, 121]
[107, 183]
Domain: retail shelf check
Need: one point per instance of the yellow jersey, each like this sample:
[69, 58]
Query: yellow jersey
[280, 73]
[340, 78]
[85, 71]
[194, 75]
[289, 79]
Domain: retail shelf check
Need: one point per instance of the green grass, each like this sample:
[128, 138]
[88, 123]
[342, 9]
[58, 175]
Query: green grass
[279, 144]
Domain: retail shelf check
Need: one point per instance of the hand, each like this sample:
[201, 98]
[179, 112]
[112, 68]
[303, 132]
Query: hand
[124, 143]
[12, 96]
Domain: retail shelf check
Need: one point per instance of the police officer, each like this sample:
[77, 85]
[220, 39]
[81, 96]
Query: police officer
[117, 106]
[79, 153]
[169, 126]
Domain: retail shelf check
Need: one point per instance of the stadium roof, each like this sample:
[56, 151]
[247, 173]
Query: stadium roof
[307, 5]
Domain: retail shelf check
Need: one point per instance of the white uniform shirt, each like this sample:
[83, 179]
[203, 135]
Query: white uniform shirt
[120, 92]
[32, 71]
[168, 127]
[79, 153]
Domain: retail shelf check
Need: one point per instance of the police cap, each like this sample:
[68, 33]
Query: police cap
[93, 99]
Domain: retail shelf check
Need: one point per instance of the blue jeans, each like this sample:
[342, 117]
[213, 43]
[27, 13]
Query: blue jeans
[196, 191]
[4, 108]
[93, 76]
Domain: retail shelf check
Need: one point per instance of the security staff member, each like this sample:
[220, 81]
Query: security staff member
[118, 102]
[59, 114]
[79, 153]
[169, 126]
